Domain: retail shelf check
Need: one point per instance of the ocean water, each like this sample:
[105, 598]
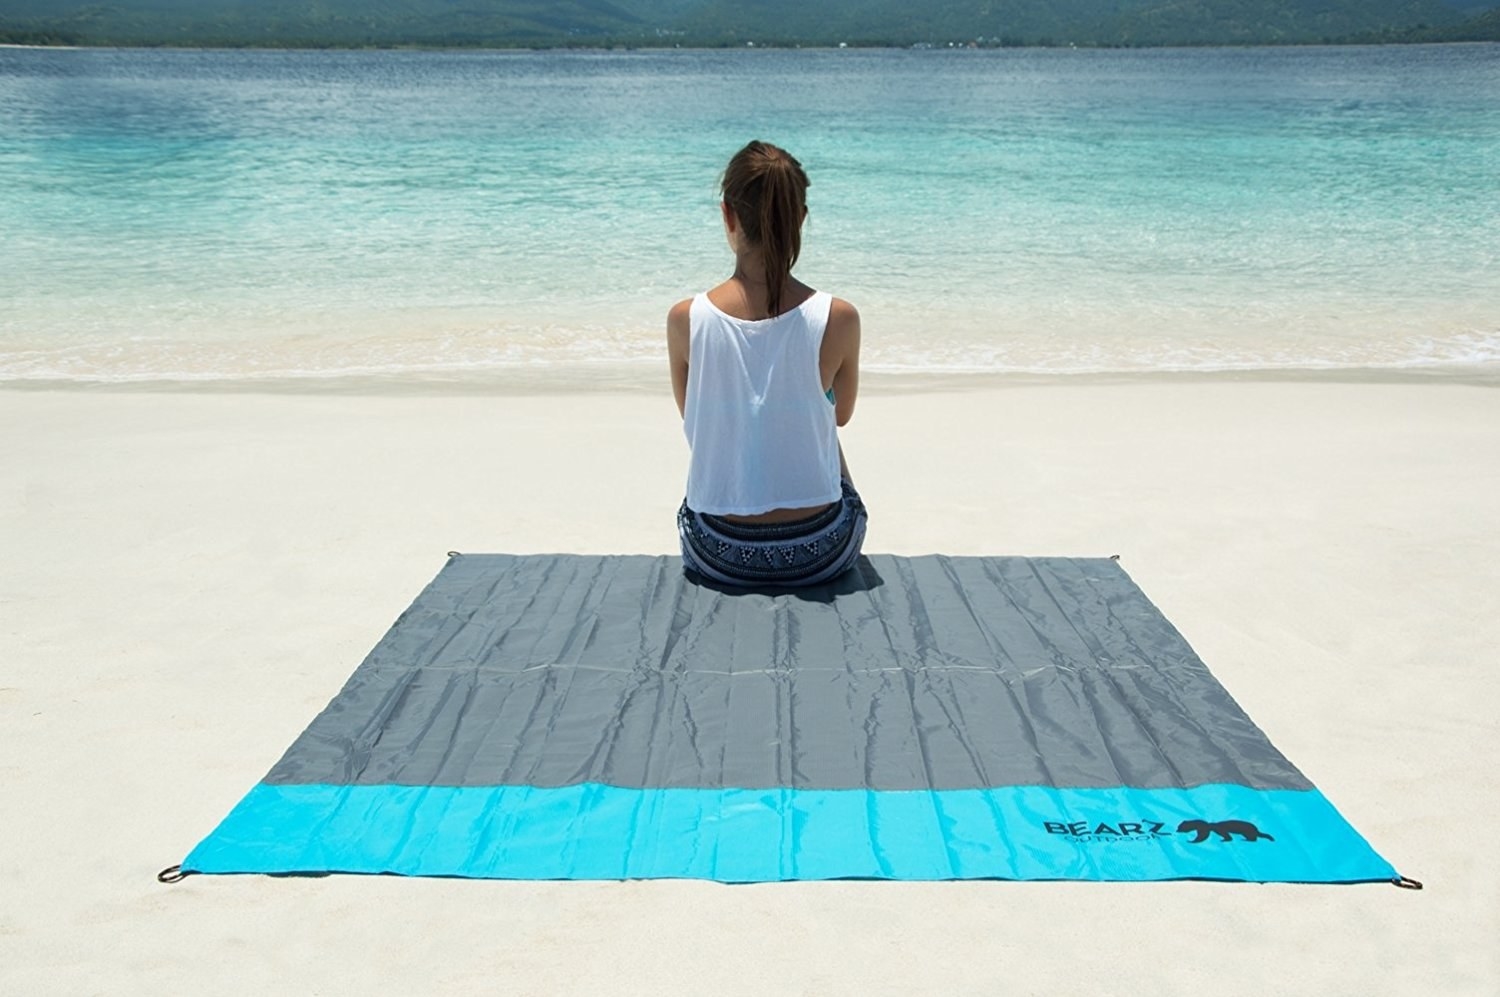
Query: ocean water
[207, 215]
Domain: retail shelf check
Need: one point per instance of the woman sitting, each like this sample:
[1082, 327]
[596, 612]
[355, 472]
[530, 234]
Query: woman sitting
[765, 369]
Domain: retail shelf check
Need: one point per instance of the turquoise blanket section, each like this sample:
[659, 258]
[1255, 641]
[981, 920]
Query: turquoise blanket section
[593, 831]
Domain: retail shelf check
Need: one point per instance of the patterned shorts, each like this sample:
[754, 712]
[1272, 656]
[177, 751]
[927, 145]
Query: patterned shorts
[803, 552]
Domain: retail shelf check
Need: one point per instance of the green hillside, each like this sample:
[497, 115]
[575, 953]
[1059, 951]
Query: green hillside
[1484, 28]
[546, 23]
[323, 22]
[1198, 22]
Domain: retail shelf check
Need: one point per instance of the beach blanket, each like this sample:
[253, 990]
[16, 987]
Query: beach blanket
[583, 717]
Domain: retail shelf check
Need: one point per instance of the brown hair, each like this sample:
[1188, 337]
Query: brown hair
[767, 190]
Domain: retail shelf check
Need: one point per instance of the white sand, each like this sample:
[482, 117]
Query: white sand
[186, 579]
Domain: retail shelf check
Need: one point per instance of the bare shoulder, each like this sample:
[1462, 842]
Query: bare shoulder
[679, 313]
[843, 311]
[679, 322]
[843, 323]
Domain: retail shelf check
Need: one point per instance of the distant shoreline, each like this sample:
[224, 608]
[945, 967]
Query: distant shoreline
[861, 46]
[623, 49]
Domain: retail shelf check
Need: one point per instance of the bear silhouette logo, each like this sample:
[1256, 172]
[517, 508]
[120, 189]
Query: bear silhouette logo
[1225, 829]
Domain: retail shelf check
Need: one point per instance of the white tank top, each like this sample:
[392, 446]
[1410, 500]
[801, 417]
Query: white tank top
[762, 432]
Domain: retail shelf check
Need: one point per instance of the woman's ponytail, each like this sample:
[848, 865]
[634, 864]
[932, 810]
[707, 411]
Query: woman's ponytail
[767, 190]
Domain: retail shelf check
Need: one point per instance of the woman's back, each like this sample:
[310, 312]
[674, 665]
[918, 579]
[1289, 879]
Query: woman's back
[765, 370]
[761, 428]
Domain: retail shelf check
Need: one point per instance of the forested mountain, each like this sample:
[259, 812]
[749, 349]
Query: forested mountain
[508, 23]
[1484, 28]
[323, 22]
[1081, 22]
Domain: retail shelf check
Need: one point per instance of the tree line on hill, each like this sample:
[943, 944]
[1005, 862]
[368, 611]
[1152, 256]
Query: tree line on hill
[710, 23]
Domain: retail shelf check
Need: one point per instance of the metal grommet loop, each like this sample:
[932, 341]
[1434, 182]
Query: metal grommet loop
[1406, 884]
[453, 553]
[171, 874]
[1114, 557]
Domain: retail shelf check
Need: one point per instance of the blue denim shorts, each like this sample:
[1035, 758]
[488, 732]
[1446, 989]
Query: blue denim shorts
[803, 552]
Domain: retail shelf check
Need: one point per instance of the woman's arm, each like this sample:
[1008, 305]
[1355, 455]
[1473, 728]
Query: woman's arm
[840, 356]
[678, 350]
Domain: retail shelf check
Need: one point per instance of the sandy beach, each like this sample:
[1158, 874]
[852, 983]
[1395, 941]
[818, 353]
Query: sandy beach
[189, 576]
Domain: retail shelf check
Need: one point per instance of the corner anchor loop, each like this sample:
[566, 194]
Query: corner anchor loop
[1406, 884]
[171, 874]
[453, 553]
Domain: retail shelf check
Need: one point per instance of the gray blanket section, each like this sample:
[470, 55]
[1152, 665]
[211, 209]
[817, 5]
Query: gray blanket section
[908, 673]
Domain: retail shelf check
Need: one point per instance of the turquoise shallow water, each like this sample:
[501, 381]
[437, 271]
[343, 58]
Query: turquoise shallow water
[204, 215]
